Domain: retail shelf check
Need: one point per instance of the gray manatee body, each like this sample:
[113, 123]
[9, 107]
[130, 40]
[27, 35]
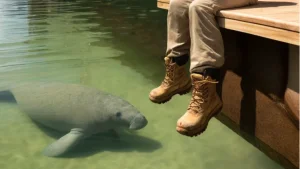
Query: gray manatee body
[78, 110]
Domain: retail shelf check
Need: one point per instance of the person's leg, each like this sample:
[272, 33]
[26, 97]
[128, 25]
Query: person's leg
[206, 58]
[178, 35]
[176, 80]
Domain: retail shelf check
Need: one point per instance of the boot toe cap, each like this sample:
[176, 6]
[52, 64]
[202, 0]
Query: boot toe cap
[184, 123]
[156, 93]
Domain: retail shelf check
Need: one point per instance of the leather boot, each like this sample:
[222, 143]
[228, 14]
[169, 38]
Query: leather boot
[204, 104]
[176, 81]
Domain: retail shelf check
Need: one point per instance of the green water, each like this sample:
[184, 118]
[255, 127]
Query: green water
[116, 47]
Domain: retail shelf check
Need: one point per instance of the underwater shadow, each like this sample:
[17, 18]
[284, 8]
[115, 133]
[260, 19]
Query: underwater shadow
[107, 141]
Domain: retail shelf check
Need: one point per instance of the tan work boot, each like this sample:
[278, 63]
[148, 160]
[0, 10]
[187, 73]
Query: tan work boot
[176, 81]
[205, 103]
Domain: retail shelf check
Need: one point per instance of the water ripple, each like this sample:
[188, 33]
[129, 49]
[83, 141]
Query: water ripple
[55, 32]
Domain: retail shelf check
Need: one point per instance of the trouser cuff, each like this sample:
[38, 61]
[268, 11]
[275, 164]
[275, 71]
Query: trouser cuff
[213, 72]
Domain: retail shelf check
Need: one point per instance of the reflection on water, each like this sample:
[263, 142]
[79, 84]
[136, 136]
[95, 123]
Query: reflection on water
[115, 46]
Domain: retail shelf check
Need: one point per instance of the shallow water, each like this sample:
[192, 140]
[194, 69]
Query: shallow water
[115, 46]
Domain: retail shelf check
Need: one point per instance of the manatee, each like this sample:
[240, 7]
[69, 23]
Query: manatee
[77, 110]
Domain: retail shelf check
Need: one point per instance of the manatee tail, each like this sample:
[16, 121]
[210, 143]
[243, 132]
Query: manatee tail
[7, 90]
[6, 94]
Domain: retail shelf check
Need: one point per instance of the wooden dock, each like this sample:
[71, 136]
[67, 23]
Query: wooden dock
[260, 80]
[273, 19]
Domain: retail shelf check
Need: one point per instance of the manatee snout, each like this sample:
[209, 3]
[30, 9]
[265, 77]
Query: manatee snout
[138, 122]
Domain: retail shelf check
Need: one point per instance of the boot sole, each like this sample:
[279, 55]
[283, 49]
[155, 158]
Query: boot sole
[200, 130]
[169, 97]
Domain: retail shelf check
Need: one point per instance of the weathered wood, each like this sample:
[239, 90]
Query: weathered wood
[273, 19]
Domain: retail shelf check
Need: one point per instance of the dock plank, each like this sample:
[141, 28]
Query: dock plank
[273, 19]
[273, 13]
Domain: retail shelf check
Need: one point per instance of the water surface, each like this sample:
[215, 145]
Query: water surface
[115, 46]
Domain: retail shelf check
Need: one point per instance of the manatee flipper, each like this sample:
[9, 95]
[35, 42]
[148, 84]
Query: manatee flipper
[65, 143]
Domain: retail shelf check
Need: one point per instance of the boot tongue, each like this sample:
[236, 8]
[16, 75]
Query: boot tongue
[197, 77]
[167, 60]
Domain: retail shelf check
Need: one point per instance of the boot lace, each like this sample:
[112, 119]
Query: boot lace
[200, 94]
[169, 77]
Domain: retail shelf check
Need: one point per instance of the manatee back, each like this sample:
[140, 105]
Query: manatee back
[61, 106]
